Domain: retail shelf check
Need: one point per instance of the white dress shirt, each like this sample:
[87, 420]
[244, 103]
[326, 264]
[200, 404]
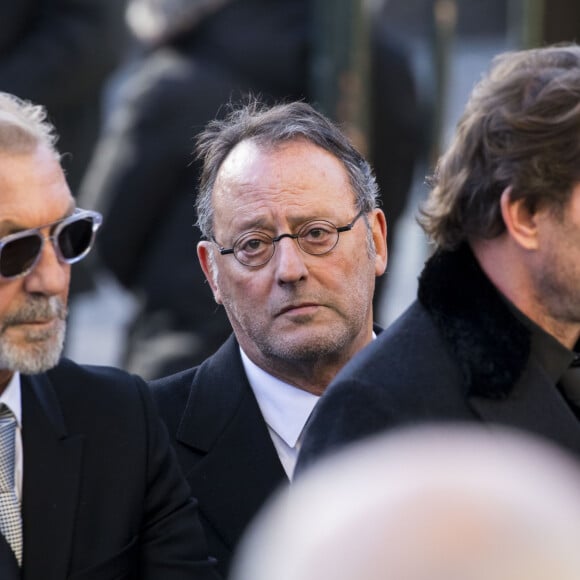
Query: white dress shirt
[285, 409]
[11, 398]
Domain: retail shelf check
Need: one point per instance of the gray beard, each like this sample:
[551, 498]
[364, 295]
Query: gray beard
[43, 348]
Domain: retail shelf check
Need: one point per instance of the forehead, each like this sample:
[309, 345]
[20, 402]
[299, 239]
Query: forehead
[296, 175]
[33, 188]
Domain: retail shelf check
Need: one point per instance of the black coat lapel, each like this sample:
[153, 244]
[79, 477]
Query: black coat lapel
[491, 346]
[234, 465]
[52, 469]
[535, 405]
[9, 569]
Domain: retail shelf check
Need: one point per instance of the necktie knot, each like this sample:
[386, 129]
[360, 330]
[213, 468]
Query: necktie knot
[7, 437]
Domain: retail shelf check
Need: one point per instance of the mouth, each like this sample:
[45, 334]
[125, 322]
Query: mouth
[299, 309]
[40, 323]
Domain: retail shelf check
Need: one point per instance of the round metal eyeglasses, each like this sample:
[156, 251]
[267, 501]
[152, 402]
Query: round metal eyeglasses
[316, 237]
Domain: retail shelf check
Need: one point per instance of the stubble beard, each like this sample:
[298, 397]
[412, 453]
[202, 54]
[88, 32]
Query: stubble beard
[40, 349]
[557, 276]
[330, 344]
[305, 346]
[315, 349]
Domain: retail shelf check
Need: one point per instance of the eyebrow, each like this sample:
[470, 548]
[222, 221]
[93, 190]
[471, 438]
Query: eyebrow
[9, 226]
[294, 221]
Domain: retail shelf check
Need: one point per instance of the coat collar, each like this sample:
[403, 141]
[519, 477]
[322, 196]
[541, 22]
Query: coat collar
[232, 465]
[216, 391]
[41, 388]
[491, 346]
[9, 569]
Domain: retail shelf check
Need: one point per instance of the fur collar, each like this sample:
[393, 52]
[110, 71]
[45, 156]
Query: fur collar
[491, 346]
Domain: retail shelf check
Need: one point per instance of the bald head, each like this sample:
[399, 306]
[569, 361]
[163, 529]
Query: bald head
[429, 504]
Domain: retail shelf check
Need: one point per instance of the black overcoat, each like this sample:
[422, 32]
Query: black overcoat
[457, 354]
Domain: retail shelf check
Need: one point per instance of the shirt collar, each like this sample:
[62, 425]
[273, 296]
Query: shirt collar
[11, 397]
[285, 408]
[552, 355]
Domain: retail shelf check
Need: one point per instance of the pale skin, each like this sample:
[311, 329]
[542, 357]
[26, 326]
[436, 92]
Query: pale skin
[299, 317]
[33, 193]
[536, 264]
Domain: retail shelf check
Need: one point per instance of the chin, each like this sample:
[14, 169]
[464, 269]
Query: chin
[311, 350]
[32, 357]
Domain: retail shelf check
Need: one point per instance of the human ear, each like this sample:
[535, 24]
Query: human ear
[520, 221]
[379, 232]
[206, 260]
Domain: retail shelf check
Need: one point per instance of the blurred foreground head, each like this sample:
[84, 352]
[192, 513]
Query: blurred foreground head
[453, 503]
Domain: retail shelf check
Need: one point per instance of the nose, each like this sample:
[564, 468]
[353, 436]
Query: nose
[50, 276]
[289, 261]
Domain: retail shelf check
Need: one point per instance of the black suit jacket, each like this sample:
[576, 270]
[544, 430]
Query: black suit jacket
[458, 354]
[223, 445]
[102, 493]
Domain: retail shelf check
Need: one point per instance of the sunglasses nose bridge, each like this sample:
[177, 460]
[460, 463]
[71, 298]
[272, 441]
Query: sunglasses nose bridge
[49, 240]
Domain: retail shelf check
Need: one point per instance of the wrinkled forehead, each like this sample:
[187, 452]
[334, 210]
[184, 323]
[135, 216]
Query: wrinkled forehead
[295, 168]
[33, 188]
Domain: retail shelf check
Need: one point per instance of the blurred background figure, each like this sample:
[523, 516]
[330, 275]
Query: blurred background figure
[61, 53]
[436, 503]
[363, 75]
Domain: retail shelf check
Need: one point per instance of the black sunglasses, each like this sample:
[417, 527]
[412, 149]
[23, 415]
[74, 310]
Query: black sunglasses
[72, 238]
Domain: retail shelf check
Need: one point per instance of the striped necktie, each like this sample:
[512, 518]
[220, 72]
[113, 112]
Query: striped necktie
[10, 517]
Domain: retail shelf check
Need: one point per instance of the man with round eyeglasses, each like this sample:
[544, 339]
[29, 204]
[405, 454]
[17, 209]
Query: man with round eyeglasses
[293, 243]
[316, 237]
[89, 485]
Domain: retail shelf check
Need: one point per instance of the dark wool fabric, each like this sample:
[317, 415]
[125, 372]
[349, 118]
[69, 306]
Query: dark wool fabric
[489, 343]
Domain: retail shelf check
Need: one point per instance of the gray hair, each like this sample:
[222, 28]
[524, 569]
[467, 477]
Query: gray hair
[24, 126]
[271, 126]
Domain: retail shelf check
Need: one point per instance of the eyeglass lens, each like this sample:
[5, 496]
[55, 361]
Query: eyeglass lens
[75, 238]
[19, 255]
[316, 238]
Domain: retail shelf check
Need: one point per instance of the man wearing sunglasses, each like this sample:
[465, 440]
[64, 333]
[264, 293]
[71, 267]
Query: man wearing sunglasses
[293, 244]
[89, 486]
